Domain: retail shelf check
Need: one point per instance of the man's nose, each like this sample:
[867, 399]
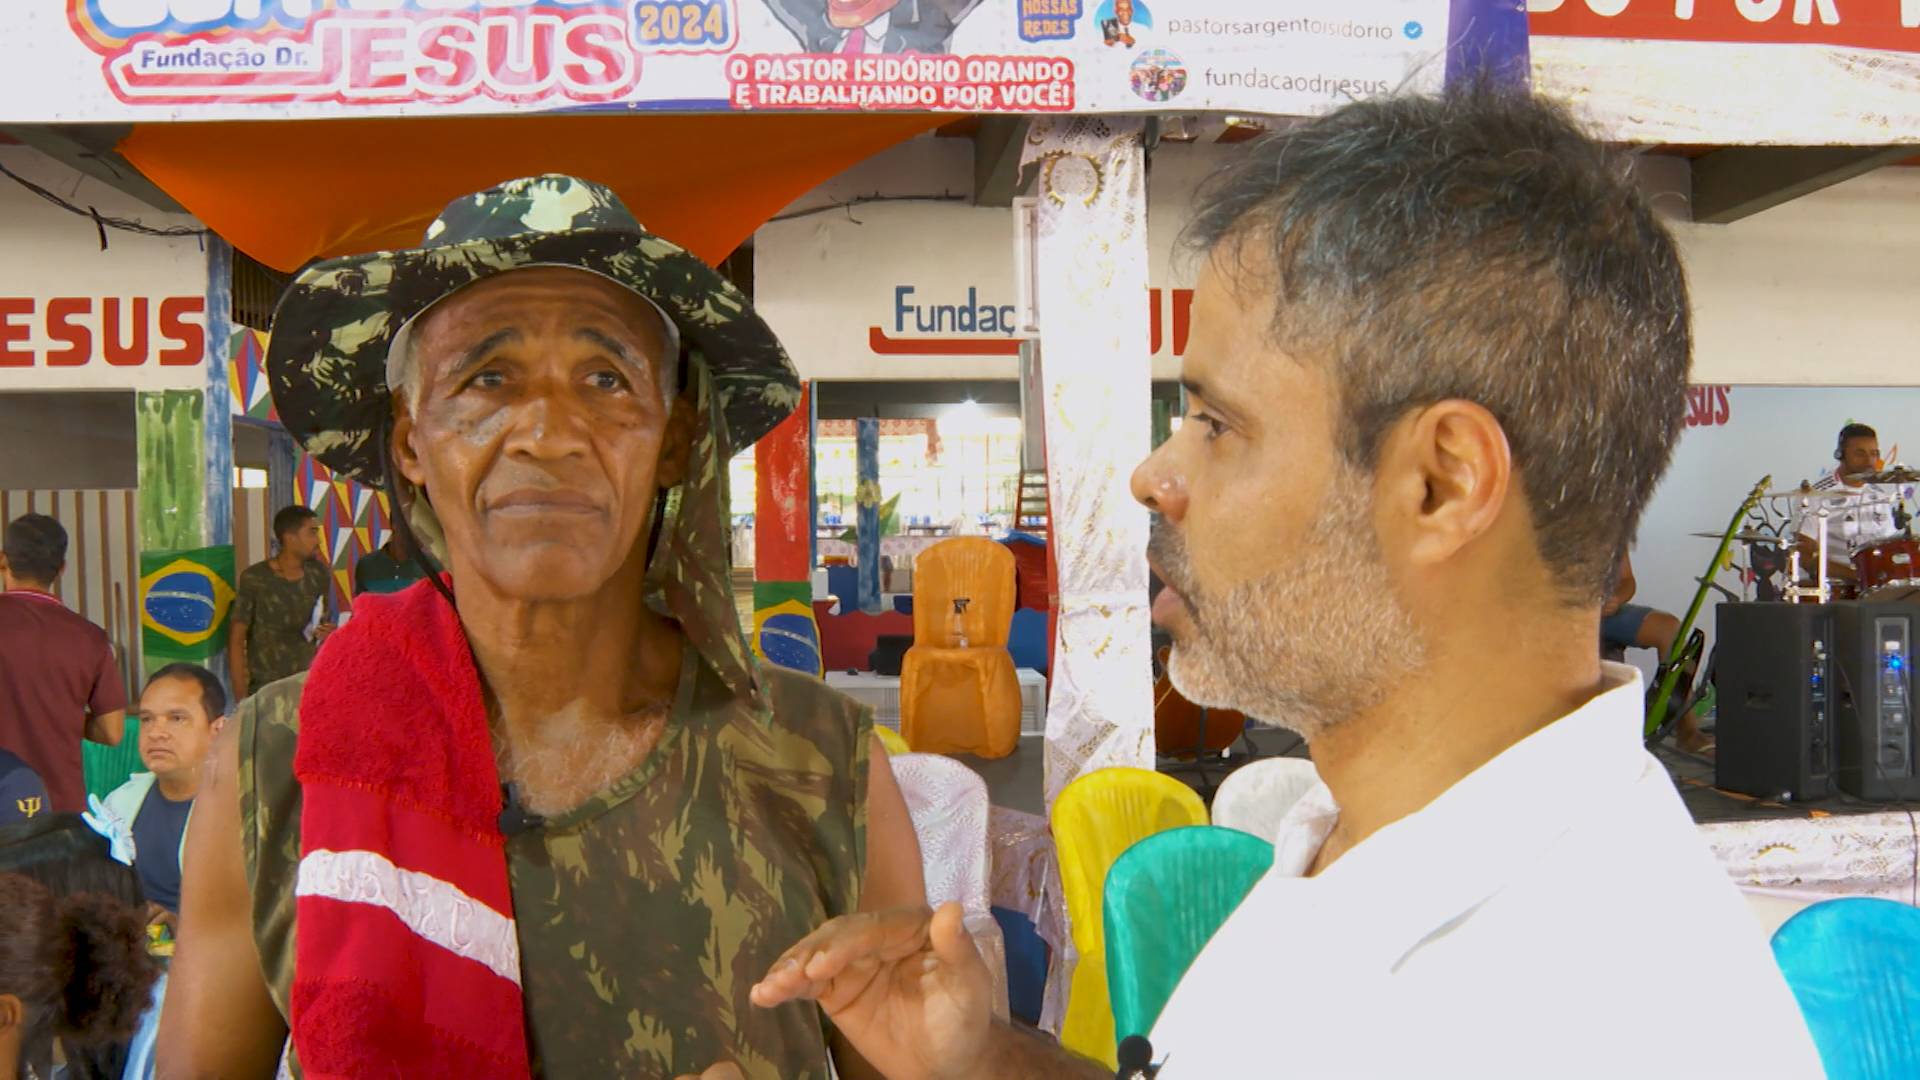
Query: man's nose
[547, 425]
[1158, 487]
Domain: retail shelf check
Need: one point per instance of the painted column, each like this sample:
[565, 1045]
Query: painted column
[784, 631]
[812, 405]
[219, 407]
[170, 428]
[866, 495]
[218, 434]
[1096, 391]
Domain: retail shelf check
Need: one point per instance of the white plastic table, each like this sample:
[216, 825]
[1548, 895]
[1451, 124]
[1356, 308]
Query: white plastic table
[882, 692]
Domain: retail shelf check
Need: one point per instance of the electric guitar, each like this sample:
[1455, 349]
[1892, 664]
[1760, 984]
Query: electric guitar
[1672, 691]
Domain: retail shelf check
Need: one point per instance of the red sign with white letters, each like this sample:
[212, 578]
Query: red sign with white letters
[1866, 24]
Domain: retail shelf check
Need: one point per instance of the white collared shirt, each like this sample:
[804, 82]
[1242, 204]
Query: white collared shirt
[1553, 914]
[1856, 516]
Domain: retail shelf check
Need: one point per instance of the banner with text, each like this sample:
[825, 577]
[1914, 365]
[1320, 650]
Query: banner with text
[1735, 71]
[85, 309]
[112, 60]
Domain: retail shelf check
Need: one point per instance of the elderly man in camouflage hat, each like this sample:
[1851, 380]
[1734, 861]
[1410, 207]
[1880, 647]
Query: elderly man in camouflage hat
[543, 813]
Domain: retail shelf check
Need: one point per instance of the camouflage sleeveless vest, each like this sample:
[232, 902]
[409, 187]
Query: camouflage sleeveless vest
[646, 914]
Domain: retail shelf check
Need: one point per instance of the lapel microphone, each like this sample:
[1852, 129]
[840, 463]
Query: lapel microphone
[1136, 1059]
[515, 818]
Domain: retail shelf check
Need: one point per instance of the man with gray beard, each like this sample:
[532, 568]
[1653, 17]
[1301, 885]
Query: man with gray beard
[1438, 363]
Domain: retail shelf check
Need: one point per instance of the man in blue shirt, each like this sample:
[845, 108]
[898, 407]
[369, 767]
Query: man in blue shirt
[181, 709]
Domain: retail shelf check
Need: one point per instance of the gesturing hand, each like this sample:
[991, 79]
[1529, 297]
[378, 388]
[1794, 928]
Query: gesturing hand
[161, 916]
[906, 987]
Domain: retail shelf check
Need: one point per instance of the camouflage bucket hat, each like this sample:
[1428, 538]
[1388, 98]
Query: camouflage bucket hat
[327, 357]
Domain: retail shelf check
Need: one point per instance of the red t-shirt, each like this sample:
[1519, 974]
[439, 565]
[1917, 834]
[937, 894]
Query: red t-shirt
[55, 669]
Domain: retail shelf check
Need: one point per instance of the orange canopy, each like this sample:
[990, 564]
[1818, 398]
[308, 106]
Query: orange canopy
[287, 191]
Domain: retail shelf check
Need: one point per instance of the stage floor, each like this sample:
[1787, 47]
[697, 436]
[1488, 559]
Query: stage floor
[1693, 775]
[1799, 853]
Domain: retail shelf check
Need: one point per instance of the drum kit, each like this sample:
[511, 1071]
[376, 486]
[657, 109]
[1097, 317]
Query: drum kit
[1885, 568]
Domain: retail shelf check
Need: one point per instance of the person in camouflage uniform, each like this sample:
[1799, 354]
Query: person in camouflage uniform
[681, 828]
[274, 603]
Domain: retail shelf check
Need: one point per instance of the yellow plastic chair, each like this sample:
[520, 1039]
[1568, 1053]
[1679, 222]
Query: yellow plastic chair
[958, 699]
[1095, 819]
[891, 739]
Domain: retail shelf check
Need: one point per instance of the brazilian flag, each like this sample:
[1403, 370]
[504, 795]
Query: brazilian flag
[185, 597]
[784, 632]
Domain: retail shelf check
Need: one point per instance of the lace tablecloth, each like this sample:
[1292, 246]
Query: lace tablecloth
[882, 693]
[948, 803]
[1823, 856]
[1026, 880]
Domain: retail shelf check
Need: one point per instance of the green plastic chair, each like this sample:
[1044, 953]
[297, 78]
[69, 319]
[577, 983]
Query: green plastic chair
[1165, 897]
[1095, 820]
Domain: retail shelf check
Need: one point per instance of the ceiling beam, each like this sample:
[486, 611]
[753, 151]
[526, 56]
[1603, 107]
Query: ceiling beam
[1741, 181]
[996, 159]
[89, 149]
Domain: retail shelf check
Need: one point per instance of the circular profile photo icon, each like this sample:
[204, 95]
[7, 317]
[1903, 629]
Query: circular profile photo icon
[1158, 75]
[1118, 20]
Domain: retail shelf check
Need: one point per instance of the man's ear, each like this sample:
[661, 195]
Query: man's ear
[1453, 460]
[219, 722]
[676, 444]
[13, 1013]
[405, 457]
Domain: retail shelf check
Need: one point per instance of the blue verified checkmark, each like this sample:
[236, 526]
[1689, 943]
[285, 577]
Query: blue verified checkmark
[1413, 30]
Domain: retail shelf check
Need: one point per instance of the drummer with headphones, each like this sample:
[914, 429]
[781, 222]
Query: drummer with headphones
[1858, 513]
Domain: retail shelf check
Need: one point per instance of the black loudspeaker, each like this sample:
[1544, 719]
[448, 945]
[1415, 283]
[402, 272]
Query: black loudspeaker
[1775, 726]
[1873, 695]
[888, 653]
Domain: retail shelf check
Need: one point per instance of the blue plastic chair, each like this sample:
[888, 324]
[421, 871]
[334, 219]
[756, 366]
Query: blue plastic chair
[1854, 966]
[1027, 639]
[1165, 897]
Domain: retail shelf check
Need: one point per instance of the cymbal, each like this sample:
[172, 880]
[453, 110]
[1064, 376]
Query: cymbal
[1746, 537]
[1866, 497]
[1899, 474]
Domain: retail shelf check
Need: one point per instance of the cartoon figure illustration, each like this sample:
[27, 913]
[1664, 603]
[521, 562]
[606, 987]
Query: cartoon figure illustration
[1117, 19]
[876, 26]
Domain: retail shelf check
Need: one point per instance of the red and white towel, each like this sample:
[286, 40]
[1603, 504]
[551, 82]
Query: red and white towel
[406, 961]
